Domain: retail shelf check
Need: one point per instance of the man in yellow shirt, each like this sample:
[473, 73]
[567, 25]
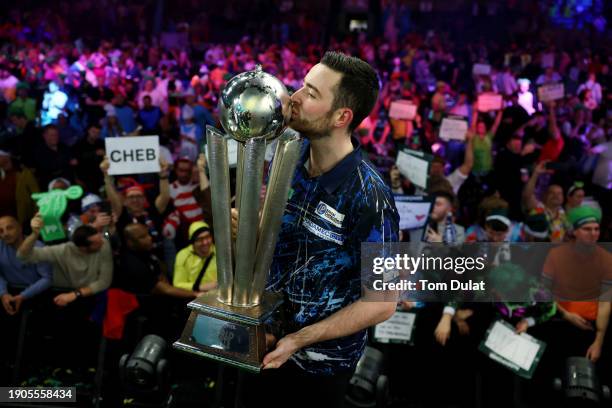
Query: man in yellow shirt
[195, 267]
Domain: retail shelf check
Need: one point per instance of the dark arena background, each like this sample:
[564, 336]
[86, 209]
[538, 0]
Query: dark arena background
[493, 119]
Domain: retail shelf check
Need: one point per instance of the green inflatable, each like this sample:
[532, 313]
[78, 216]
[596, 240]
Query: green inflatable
[52, 206]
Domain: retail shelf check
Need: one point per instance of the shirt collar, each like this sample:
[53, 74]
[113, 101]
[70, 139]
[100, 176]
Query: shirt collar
[333, 178]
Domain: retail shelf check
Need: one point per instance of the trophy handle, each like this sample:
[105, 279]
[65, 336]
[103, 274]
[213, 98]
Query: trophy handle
[220, 197]
[286, 157]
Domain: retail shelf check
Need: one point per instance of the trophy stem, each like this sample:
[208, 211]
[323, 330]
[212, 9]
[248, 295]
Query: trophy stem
[220, 196]
[239, 173]
[285, 159]
[248, 218]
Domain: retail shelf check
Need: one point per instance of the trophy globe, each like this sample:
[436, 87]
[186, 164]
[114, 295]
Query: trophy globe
[254, 104]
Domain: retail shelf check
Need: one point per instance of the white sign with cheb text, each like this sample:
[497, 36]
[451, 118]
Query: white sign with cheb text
[454, 129]
[551, 92]
[133, 155]
[402, 109]
[489, 102]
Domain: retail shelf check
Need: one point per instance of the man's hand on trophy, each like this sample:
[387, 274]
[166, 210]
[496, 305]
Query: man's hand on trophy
[270, 341]
[285, 348]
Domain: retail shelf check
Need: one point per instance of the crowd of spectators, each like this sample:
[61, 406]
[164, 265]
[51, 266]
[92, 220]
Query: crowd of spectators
[516, 177]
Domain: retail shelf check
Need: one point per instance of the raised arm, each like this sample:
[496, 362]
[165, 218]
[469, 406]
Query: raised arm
[553, 128]
[529, 197]
[468, 157]
[109, 186]
[497, 121]
[162, 200]
[474, 117]
[25, 249]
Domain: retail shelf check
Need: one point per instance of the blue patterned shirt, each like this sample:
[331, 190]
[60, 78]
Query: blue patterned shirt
[317, 259]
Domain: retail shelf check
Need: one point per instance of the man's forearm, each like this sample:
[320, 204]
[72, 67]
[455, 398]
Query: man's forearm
[348, 320]
[105, 276]
[161, 202]
[113, 195]
[474, 120]
[529, 190]
[498, 119]
[468, 158]
[603, 317]
[37, 287]
[553, 129]
[25, 249]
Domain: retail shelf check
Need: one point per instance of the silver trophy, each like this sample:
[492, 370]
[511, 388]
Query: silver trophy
[227, 324]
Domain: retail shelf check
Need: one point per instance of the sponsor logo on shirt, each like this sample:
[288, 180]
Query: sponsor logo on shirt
[322, 232]
[327, 213]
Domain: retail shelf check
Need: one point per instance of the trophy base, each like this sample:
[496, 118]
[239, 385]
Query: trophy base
[232, 335]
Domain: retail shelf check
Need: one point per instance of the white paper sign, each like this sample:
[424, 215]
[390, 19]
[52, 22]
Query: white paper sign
[133, 155]
[481, 69]
[402, 109]
[551, 92]
[397, 328]
[413, 211]
[232, 152]
[519, 349]
[489, 101]
[413, 168]
[453, 129]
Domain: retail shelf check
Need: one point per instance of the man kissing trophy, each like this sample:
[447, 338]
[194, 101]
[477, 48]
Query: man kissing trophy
[227, 324]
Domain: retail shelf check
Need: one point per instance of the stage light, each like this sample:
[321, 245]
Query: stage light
[146, 368]
[580, 386]
[368, 388]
